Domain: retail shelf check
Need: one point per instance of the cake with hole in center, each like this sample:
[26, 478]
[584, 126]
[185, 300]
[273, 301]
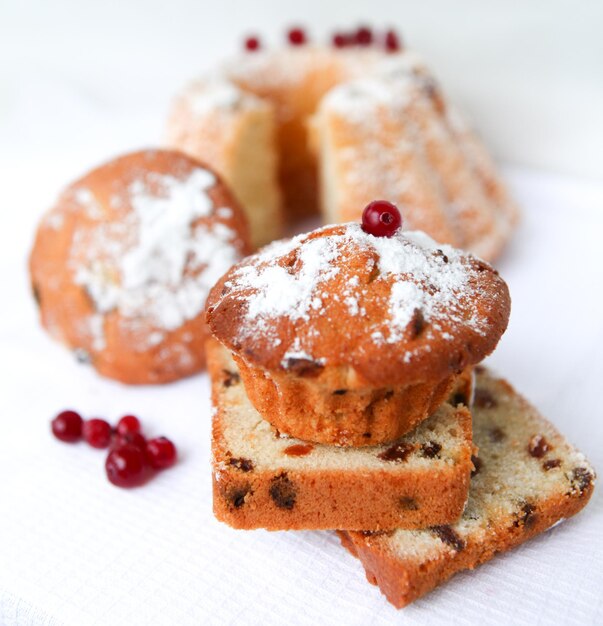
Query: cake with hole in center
[335, 127]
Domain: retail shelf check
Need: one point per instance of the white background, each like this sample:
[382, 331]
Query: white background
[82, 81]
[529, 73]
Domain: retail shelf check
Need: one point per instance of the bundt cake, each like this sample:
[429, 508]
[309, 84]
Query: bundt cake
[373, 123]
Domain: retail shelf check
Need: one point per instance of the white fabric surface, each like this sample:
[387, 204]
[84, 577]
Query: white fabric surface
[75, 550]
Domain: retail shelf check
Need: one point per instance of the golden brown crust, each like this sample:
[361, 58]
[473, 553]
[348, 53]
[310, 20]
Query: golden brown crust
[281, 495]
[128, 348]
[526, 479]
[327, 500]
[402, 582]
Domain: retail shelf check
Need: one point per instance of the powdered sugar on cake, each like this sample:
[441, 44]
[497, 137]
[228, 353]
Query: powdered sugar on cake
[216, 94]
[294, 279]
[278, 292]
[154, 264]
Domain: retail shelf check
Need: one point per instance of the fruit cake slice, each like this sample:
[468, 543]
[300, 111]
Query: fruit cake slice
[263, 479]
[526, 479]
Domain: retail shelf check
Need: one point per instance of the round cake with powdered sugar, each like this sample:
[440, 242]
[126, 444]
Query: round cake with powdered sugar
[123, 263]
[347, 338]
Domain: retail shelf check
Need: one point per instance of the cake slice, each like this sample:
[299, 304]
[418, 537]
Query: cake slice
[527, 478]
[234, 132]
[262, 479]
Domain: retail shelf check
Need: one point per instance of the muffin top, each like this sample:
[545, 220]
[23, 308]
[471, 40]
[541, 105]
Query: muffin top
[138, 241]
[339, 302]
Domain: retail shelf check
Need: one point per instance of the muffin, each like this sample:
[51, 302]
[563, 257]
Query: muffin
[122, 265]
[348, 338]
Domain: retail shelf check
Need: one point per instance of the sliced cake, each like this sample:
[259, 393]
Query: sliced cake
[527, 478]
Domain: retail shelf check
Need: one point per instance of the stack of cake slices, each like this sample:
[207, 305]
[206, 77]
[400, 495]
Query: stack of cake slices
[482, 474]
[349, 396]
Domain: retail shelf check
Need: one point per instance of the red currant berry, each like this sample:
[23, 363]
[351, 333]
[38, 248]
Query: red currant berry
[67, 426]
[381, 218]
[252, 44]
[392, 41]
[126, 466]
[297, 36]
[161, 453]
[364, 36]
[341, 40]
[128, 424]
[135, 439]
[97, 433]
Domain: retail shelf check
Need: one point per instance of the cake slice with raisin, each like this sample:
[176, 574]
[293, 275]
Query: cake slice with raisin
[262, 479]
[527, 479]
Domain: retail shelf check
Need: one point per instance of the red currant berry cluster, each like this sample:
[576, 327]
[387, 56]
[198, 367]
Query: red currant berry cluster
[132, 458]
[364, 36]
[381, 218]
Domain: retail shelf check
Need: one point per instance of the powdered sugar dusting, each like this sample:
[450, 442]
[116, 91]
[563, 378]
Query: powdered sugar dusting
[84, 197]
[154, 264]
[288, 279]
[216, 94]
[279, 291]
[358, 98]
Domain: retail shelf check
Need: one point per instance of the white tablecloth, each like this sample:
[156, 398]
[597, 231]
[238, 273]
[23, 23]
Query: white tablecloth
[76, 550]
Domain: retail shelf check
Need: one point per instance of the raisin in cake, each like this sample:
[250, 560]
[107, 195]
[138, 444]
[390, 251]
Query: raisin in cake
[526, 479]
[262, 479]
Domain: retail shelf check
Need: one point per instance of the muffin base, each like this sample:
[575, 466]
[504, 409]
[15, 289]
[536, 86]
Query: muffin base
[353, 417]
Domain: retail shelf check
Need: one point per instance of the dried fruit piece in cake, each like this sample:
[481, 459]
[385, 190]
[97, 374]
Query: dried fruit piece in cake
[342, 337]
[263, 479]
[514, 495]
[123, 263]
